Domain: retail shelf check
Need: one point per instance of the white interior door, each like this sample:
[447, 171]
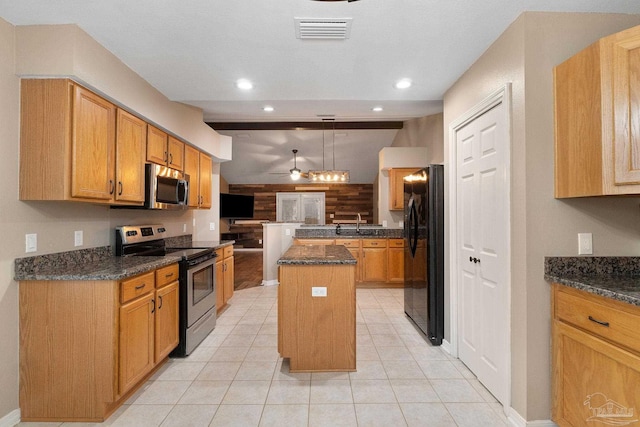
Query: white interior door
[482, 200]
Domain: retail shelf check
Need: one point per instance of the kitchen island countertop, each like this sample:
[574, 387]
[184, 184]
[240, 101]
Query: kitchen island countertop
[617, 278]
[316, 255]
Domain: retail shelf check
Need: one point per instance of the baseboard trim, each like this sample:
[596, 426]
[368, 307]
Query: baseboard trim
[446, 346]
[11, 419]
[270, 282]
[516, 420]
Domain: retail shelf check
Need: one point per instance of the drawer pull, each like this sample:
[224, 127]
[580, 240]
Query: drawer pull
[140, 287]
[599, 322]
[168, 275]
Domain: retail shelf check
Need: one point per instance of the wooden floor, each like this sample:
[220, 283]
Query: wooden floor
[248, 269]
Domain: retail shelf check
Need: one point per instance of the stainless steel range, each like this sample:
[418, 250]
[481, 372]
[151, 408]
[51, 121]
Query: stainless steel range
[197, 279]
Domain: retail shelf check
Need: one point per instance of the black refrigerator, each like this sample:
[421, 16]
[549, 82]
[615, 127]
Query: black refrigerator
[424, 250]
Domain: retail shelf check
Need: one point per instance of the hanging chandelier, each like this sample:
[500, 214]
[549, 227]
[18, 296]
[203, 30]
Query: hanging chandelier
[329, 176]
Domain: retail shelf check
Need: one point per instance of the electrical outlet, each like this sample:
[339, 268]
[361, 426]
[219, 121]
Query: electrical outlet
[184, 228]
[331, 215]
[77, 238]
[384, 223]
[287, 232]
[212, 226]
[585, 244]
[31, 242]
[259, 241]
[318, 291]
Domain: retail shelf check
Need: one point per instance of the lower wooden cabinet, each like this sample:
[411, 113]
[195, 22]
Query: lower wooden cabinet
[86, 345]
[596, 372]
[225, 276]
[379, 261]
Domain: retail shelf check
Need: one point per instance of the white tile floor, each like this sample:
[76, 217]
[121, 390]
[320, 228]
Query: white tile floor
[236, 378]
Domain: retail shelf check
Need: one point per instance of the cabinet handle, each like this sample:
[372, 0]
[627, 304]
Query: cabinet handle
[166, 276]
[140, 286]
[120, 188]
[153, 309]
[160, 306]
[170, 158]
[112, 187]
[599, 322]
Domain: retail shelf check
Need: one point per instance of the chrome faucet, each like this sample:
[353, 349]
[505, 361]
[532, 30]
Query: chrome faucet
[358, 219]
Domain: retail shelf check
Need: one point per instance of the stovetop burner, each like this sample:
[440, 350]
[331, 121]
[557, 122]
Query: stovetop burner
[149, 240]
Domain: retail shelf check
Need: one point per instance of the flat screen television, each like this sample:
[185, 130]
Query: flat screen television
[236, 206]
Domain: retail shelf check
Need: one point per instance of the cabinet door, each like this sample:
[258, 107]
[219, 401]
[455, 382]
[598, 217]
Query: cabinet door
[219, 284]
[229, 278]
[395, 269]
[396, 187]
[205, 181]
[626, 108]
[166, 321]
[136, 341]
[156, 145]
[92, 146]
[594, 382]
[192, 168]
[374, 264]
[131, 144]
[176, 154]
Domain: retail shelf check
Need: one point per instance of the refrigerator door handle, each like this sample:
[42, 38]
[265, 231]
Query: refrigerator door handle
[413, 227]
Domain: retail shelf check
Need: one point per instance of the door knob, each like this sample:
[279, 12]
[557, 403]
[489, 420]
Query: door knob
[474, 260]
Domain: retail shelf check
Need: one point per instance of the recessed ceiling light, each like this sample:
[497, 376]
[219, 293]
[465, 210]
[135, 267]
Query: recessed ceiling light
[403, 84]
[244, 84]
[268, 108]
[377, 109]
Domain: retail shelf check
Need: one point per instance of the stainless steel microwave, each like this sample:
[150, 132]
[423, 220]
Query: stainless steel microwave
[165, 188]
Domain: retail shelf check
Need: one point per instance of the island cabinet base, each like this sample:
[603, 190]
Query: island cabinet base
[317, 333]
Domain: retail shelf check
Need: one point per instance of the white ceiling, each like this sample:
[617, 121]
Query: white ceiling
[194, 51]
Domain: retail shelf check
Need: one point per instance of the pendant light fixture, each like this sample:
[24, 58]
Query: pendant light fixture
[333, 175]
[295, 173]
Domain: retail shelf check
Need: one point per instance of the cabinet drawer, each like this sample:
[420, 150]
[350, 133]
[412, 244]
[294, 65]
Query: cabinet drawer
[166, 275]
[618, 326]
[374, 243]
[396, 243]
[220, 253]
[349, 243]
[133, 288]
[314, 242]
[228, 251]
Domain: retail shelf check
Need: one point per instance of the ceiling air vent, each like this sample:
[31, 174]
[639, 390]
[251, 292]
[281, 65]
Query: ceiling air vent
[323, 28]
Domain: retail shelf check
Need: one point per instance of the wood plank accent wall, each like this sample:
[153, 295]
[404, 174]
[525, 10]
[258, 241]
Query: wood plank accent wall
[342, 200]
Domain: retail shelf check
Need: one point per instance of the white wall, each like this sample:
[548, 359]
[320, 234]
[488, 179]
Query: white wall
[55, 222]
[541, 225]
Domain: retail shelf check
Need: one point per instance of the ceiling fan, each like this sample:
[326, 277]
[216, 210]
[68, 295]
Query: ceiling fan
[294, 172]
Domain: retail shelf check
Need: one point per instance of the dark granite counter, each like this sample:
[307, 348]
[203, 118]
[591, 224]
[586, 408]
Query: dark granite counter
[94, 264]
[617, 278]
[316, 255]
[348, 232]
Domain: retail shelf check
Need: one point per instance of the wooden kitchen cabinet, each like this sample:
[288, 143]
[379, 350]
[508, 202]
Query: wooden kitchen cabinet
[304, 241]
[396, 187]
[596, 358]
[395, 261]
[164, 149]
[225, 276]
[85, 346]
[199, 168]
[69, 148]
[597, 102]
[355, 247]
[374, 260]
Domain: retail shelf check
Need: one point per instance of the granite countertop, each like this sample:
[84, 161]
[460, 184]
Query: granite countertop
[95, 264]
[316, 255]
[349, 233]
[617, 278]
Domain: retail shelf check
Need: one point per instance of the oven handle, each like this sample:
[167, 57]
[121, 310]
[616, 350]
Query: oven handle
[194, 263]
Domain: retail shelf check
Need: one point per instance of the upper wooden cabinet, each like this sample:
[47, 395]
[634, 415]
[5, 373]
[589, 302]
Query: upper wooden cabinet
[396, 187]
[69, 149]
[597, 103]
[199, 168]
[164, 149]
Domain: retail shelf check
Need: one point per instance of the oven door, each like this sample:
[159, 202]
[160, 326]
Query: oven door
[201, 290]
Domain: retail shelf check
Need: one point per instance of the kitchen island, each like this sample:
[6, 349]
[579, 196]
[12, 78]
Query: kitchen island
[317, 308]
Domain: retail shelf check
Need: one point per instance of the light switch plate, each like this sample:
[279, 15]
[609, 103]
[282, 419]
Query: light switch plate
[318, 291]
[585, 244]
[31, 242]
[78, 238]
[184, 228]
[212, 226]
[287, 232]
